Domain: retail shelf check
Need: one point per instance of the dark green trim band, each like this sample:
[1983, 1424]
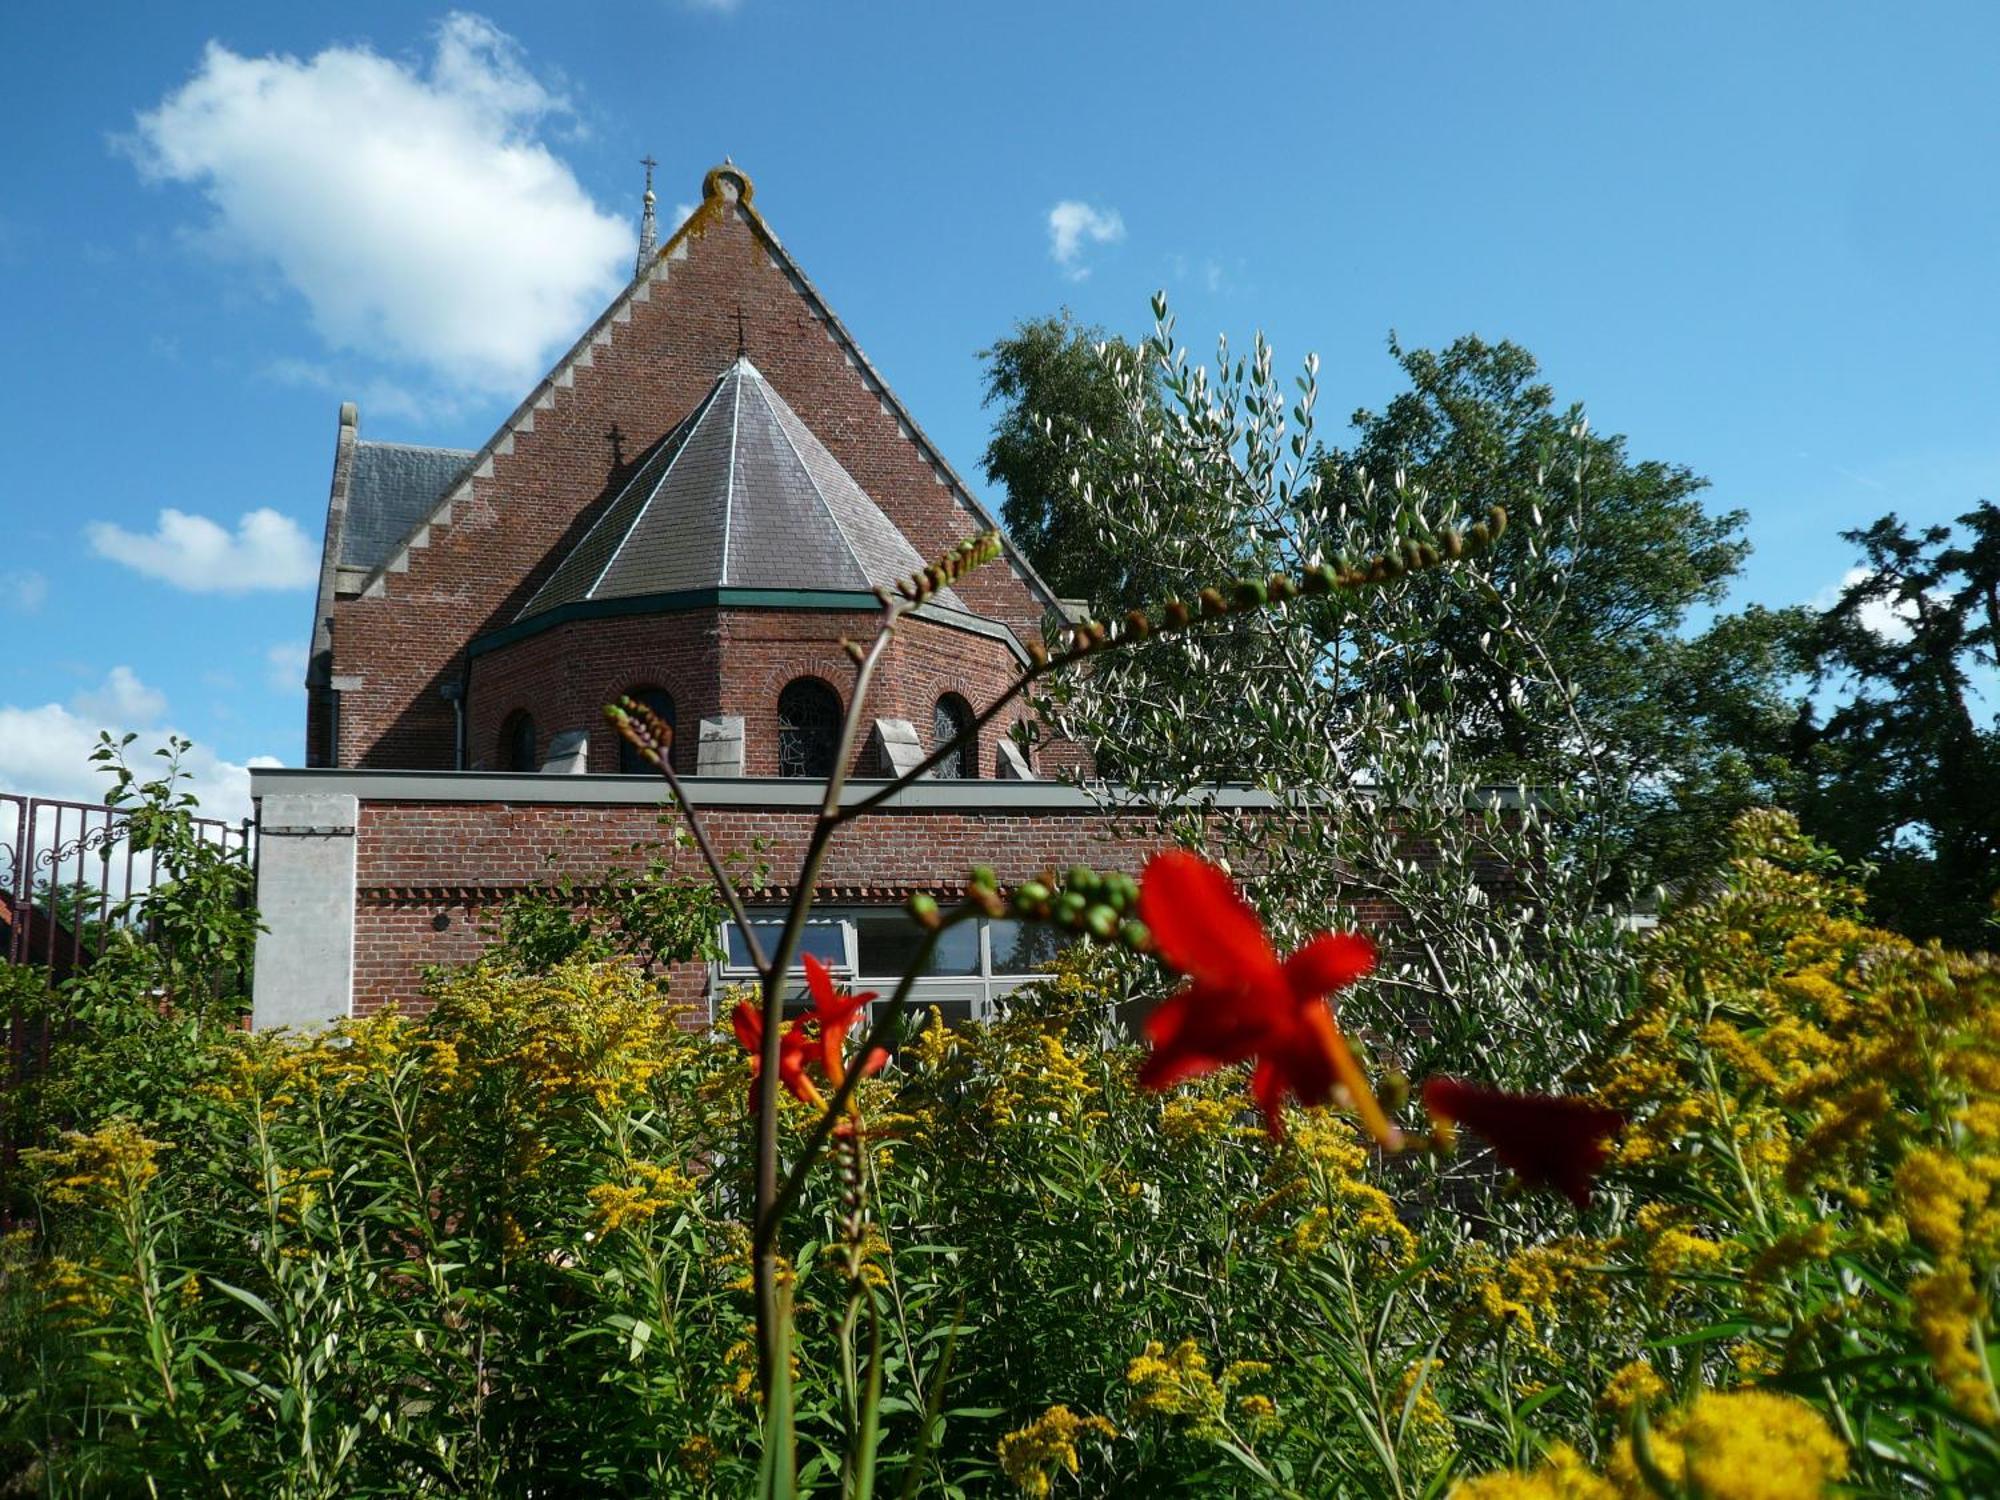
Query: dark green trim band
[686, 601]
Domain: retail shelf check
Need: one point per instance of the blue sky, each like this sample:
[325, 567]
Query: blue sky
[1759, 241]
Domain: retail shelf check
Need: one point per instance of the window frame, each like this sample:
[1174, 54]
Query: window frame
[982, 989]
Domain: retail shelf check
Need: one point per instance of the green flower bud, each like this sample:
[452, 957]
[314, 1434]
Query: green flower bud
[1030, 896]
[1454, 544]
[1175, 614]
[1136, 935]
[924, 908]
[1279, 588]
[983, 875]
[1083, 879]
[1137, 625]
[1070, 907]
[1102, 923]
[1496, 518]
[1249, 594]
[1212, 603]
[1323, 579]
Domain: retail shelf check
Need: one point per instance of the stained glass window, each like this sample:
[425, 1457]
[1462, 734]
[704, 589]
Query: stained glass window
[808, 728]
[951, 718]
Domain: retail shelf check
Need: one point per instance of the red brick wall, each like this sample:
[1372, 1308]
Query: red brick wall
[419, 861]
[733, 661]
[476, 572]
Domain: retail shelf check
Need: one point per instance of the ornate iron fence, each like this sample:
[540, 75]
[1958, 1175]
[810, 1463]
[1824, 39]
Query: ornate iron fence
[70, 879]
[67, 870]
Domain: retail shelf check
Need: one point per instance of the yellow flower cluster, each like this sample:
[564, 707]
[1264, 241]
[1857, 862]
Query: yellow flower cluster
[1820, 1088]
[1319, 1166]
[1177, 1385]
[652, 1189]
[111, 1164]
[1734, 1445]
[1033, 1455]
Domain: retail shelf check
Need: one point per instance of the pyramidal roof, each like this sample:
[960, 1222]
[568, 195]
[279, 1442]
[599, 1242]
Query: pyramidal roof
[740, 495]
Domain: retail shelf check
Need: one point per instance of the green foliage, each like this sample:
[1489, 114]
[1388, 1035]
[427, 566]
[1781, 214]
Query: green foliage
[1051, 389]
[648, 915]
[507, 1240]
[1567, 660]
[1903, 770]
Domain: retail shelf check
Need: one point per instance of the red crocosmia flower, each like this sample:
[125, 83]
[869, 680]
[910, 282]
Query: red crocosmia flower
[795, 1050]
[1545, 1140]
[1241, 1002]
[836, 1011]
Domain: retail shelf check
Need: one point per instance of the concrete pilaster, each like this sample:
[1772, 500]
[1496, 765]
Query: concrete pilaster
[305, 895]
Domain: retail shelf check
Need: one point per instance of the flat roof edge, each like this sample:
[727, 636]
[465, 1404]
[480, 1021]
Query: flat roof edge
[781, 794]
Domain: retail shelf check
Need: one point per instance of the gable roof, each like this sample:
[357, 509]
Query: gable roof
[740, 495]
[726, 189]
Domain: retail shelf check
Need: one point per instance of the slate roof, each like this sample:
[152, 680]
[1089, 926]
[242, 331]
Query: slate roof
[390, 490]
[740, 495]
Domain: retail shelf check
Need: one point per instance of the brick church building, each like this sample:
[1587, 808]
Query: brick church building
[692, 508]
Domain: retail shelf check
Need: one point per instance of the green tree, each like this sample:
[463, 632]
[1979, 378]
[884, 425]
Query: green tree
[1902, 772]
[1680, 731]
[1053, 388]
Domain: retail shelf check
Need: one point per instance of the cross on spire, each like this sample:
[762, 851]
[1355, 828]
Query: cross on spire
[648, 226]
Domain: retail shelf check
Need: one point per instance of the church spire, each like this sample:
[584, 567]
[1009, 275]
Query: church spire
[648, 229]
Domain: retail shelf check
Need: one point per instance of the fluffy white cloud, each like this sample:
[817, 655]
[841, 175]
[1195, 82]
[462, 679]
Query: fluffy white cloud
[122, 702]
[268, 551]
[420, 213]
[1074, 224]
[45, 752]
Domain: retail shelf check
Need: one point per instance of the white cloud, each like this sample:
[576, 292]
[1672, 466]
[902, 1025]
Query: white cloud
[420, 213]
[268, 551]
[1072, 225]
[122, 702]
[23, 592]
[45, 752]
[285, 668]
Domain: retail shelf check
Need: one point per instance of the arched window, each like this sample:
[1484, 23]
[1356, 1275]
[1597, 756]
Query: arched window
[661, 702]
[518, 742]
[808, 728]
[951, 718]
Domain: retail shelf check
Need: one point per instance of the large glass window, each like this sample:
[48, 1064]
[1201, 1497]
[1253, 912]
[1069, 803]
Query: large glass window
[975, 964]
[518, 742]
[951, 718]
[887, 941]
[661, 702]
[825, 939]
[808, 728]
[1025, 947]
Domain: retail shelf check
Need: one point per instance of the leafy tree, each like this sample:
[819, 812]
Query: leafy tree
[1680, 733]
[1903, 771]
[1052, 389]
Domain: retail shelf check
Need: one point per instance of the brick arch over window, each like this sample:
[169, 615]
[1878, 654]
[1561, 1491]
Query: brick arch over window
[951, 717]
[809, 715]
[519, 741]
[661, 702]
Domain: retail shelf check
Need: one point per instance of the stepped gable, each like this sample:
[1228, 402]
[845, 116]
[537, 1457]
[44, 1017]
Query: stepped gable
[741, 495]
